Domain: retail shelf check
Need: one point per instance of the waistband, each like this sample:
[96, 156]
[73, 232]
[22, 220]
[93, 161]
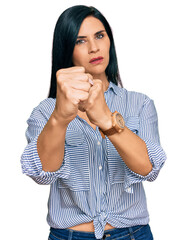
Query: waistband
[73, 234]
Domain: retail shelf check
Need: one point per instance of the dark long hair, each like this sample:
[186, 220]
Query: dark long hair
[65, 36]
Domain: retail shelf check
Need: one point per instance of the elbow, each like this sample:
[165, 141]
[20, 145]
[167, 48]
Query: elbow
[146, 169]
[42, 181]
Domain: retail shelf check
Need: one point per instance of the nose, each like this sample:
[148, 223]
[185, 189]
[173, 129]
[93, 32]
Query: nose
[93, 46]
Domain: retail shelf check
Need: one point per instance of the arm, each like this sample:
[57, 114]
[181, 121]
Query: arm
[30, 160]
[43, 158]
[51, 142]
[141, 153]
[133, 151]
[72, 88]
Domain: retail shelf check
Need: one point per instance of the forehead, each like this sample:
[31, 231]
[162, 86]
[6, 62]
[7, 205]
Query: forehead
[90, 25]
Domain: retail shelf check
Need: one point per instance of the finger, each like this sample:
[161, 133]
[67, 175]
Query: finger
[79, 85]
[74, 69]
[97, 81]
[90, 81]
[79, 96]
[89, 76]
[84, 77]
[97, 85]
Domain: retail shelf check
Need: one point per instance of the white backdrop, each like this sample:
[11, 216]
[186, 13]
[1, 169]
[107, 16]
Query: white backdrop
[151, 44]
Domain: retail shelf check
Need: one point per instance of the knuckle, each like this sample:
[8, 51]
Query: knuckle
[57, 75]
[64, 84]
[86, 86]
[59, 82]
[75, 101]
[84, 96]
[59, 72]
[78, 69]
[82, 69]
[89, 76]
[100, 82]
[68, 94]
[99, 86]
[83, 76]
[91, 101]
[58, 79]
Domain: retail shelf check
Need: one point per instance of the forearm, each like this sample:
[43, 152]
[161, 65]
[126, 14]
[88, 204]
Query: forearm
[50, 144]
[133, 151]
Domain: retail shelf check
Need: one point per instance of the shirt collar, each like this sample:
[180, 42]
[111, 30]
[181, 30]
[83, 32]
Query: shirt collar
[117, 90]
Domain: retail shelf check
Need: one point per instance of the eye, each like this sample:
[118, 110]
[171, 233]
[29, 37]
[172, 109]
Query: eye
[100, 36]
[80, 41]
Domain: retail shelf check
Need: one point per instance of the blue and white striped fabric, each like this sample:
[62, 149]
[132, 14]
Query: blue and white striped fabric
[93, 183]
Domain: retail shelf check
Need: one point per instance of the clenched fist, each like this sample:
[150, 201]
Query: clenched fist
[73, 86]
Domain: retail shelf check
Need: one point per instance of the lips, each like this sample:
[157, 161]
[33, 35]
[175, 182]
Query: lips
[96, 60]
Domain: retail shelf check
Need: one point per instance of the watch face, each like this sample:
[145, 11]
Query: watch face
[120, 121]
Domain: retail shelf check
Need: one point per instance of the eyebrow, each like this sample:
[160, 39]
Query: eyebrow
[94, 34]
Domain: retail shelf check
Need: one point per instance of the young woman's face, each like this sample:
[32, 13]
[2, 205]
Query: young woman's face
[92, 47]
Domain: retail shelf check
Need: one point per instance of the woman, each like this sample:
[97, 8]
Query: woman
[92, 141]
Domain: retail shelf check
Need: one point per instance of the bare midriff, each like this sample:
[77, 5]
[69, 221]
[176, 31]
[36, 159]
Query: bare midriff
[88, 227]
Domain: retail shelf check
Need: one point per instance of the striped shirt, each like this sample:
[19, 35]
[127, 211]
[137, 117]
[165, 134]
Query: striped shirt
[94, 183]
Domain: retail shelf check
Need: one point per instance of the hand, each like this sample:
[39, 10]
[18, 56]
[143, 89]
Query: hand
[96, 107]
[72, 87]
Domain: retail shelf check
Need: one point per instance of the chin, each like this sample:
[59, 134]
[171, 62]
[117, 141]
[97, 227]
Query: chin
[97, 71]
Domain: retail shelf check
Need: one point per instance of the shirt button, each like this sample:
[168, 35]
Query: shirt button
[98, 143]
[100, 167]
[129, 190]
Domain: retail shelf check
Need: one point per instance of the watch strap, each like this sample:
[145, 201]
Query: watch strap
[110, 131]
[114, 129]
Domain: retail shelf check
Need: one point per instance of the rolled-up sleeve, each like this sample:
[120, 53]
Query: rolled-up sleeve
[30, 160]
[148, 132]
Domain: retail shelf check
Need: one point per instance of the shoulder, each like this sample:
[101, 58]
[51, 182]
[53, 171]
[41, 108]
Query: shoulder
[132, 101]
[136, 101]
[136, 97]
[47, 104]
[131, 96]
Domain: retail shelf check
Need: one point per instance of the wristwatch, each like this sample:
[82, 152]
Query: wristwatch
[118, 125]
